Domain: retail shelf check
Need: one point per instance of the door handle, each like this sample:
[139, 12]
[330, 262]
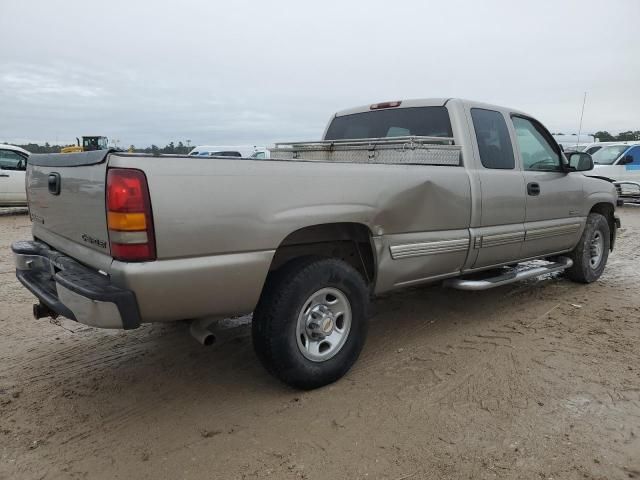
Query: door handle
[3, 175]
[533, 189]
[53, 182]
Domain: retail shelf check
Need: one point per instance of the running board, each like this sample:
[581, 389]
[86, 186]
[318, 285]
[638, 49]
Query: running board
[509, 277]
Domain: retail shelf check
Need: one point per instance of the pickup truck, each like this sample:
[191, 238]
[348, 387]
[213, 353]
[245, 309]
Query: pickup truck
[396, 194]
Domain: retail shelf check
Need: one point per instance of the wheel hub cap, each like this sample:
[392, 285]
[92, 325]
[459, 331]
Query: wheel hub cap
[320, 321]
[596, 249]
[323, 324]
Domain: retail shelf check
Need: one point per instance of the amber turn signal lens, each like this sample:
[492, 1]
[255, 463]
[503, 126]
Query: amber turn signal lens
[126, 221]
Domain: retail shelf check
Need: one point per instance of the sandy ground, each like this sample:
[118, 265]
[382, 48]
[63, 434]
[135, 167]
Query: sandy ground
[538, 380]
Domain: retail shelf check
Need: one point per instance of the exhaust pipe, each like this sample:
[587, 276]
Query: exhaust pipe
[40, 310]
[199, 330]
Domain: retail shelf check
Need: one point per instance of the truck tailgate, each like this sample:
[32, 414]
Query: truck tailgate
[66, 194]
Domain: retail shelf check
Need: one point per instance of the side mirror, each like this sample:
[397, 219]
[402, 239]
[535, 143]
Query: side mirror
[626, 160]
[580, 162]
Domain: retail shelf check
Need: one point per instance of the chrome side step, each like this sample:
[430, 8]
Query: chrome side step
[510, 277]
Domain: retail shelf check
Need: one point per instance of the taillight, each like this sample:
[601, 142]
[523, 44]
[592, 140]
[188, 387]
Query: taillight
[129, 216]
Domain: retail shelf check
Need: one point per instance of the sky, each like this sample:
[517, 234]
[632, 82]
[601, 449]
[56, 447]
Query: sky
[254, 72]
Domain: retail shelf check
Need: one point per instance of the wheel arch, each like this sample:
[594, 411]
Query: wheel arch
[349, 241]
[607, 210]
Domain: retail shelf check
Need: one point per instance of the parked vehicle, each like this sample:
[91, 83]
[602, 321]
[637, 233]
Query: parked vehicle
[222, 151]
[396, 194]
[594, 147]
[261, 153]
[620, 162]
[89, 143]
[574, 142]
[13, 163]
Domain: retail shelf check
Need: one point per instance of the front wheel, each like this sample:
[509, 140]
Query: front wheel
[591, 254]
[311, 322]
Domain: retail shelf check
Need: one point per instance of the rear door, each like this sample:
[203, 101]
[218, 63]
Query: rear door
[554, 198]
[499, 236]
[67, 203]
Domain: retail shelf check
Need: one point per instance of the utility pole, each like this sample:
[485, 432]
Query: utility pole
[581, 115]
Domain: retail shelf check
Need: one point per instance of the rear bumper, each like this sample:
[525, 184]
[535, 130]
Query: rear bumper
[72, 290]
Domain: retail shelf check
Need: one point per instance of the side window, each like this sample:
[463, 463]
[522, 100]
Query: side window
[635, 154]
[10, 160]
[493, 139]
[537, 151]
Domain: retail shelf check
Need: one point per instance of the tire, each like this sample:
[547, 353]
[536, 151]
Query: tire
[294, 296]
[584, 269]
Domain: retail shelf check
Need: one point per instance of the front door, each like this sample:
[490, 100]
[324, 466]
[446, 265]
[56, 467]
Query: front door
[554, 198]
[12, 181]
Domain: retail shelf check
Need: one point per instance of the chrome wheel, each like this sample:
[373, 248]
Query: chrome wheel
[596, 249]
[323, 324]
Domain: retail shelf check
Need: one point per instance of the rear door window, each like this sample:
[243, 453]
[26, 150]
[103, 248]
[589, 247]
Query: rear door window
[494, 142]
[397, 122]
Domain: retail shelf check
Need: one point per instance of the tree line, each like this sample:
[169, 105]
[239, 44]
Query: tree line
[172, 147]
[604, 136]
[627, 136]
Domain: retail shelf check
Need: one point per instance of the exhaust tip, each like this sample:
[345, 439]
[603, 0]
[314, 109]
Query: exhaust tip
[200, 331]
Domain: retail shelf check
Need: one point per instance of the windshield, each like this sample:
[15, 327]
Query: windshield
[608, 155]
[397, 122]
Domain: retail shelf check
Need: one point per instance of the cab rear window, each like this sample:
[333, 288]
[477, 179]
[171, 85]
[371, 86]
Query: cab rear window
[397, 122]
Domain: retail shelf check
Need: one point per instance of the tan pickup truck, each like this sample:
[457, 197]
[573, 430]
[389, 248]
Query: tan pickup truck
[396, 194]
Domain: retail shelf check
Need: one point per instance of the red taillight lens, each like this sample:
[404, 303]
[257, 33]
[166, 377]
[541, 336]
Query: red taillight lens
[125, 190]
[129, 217]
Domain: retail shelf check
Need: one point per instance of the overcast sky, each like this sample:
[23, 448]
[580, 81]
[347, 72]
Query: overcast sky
[254, 72]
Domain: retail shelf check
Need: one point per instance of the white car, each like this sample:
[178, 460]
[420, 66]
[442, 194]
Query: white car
[261, 153]
[620, 161]
[238, 151]
[13, 164]
[594, 147]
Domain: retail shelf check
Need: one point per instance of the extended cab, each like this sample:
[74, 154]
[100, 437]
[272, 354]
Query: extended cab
[396, 194]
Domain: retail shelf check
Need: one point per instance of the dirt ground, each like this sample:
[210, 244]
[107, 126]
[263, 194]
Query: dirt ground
[538, 380]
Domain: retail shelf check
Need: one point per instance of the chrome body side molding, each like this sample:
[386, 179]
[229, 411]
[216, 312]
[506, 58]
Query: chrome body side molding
[538, 233]
[428, 248]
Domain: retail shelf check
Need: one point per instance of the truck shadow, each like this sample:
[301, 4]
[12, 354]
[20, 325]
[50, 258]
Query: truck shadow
[158, 354]
[117, 382]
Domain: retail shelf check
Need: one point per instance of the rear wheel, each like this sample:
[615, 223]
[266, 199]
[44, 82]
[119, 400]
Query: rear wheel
[311, 322]
[591, 254]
